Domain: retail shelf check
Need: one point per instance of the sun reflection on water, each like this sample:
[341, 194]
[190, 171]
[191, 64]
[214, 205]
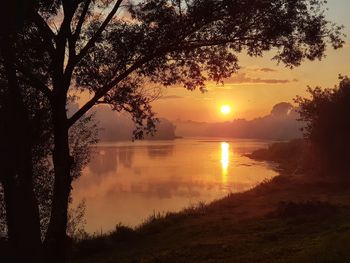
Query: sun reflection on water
[224, 160]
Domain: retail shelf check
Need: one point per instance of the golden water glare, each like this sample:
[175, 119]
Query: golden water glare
[224, 160]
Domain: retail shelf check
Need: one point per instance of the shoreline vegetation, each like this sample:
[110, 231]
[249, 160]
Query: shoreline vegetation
[294, 217]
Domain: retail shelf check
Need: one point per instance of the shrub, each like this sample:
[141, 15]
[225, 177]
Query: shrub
[326, 115]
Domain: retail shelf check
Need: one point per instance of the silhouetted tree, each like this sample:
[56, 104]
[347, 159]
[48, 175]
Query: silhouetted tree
[112, 48]
[81, 136]
[16, 178]
[26, 176]
[281, 109]
[328, 126]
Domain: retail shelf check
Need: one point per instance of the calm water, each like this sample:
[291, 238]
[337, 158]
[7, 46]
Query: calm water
[126, 182]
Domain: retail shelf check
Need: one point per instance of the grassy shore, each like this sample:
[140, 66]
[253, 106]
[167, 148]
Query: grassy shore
[292, 218]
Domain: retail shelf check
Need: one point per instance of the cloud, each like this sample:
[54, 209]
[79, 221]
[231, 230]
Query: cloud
[243, 78]
[268, 70]
[171, 97]
[260, 69]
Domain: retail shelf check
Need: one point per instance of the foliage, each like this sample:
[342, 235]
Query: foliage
[292, 157]
[77, 222]
[328, 126]
[82, 135]
[3, 227]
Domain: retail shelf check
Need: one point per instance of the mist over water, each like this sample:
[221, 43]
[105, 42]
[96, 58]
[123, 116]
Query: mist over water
[127, 182]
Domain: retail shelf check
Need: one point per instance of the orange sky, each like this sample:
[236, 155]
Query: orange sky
[260, 83]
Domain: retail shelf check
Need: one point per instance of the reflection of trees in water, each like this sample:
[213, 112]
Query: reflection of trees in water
[158, 151]
[104, 163]
[126, 156]
[167, 189]
[105, 159]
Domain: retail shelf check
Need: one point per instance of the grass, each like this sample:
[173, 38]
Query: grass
[287, 219]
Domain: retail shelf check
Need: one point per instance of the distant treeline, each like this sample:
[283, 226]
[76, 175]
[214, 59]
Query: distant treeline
[119, 127]
[280, 124]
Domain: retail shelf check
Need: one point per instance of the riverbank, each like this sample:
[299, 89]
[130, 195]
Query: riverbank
[292, 218]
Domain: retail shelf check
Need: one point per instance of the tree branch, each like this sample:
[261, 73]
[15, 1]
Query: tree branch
[180, 46]
[81, 20]
[47, 34]
[73, 37]
[100, 93]
[35, 82]
[93, 40]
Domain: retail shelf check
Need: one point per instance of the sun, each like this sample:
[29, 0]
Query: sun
[225, 109]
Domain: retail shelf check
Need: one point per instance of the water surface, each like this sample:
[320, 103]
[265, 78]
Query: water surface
[128, 181]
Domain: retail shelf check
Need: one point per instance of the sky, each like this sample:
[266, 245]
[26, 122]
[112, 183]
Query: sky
[260, 83]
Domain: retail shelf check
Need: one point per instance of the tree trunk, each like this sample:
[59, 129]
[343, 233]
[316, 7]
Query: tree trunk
[22, 223]
[56, 239]
[22, 212]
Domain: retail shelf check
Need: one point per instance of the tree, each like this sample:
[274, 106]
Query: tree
[281, 109]
[328, 126]
[113, 48]
[26, 140]
[22, 215]
[82, 135]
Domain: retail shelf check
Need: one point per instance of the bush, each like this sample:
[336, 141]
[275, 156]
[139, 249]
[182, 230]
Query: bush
[123, 233]
[326, 115]
[293, 156]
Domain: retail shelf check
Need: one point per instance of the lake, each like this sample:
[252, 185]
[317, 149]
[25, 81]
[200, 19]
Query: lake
[126, 182]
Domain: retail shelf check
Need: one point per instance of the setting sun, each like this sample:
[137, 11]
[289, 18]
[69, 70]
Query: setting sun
[225, 109]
